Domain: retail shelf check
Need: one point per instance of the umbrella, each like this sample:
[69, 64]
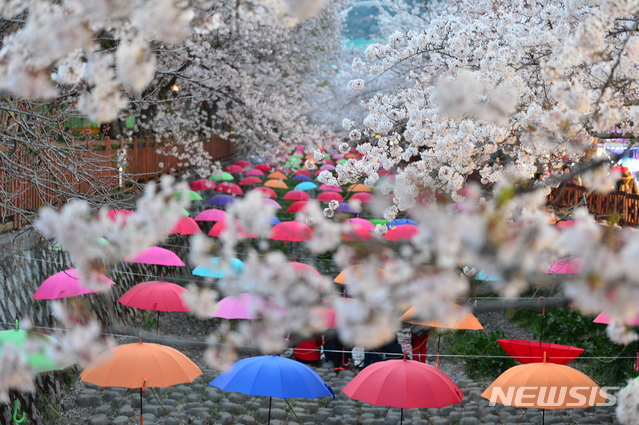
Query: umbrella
[302, 178]
[482, 275]
[361, 222]
[377, 221]
[156, 255]
[401, 232]
[240, 233]
[190, 194]
[357, 233]
[329, 188]
[223, 176]
[66, 284]
[272, 202]
[263, 167]
[291, 231]
[303, 171]
[233, 169]
[243, 163]
[341, 161]
[297, 206]
[302, 268]
[356, 272]
[400, 221]
[113, 214]
[141, 365]
[296, 195]
[467, 322]
[156, 296]
[221, 200]
[306, 186]
[278, 184]
[229, 188]
[254, 172]
[533, 351]
[219, 269]
[211, 215]
[329, 167]
[546, 386]
[359, 188]
[363, 197]
[244, 305]
[278, 175]
[273, 376]
[267, 192]
[407, 384]
[202, 184]
[185, 226]
[568, 265]
[249, 180]
[273, 220]
[604, 319]
[330, 196]
[345, 208]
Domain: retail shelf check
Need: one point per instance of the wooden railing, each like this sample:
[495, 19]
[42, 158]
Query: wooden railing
[616, 205]
[145, 161]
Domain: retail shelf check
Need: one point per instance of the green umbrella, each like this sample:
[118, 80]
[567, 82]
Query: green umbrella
[193, 196]
[342, 161]
[223, 176]
[289, 148]
[297, 155]
[377, 221]
[185, 212]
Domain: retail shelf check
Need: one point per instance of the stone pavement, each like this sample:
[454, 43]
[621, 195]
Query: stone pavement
[199, 403]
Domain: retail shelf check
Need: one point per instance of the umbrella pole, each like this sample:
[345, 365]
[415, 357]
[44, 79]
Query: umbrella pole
[157, 324]
[270, 399]
[543, 416]
[439, 340]
[141, 417]
[401, 416]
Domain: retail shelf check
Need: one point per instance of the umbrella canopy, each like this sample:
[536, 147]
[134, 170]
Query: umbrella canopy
[330, 196]
[328, 167]
[244, 306]
[272, 202]
[240, 233]
[363, 197]
[401, 221]
[302, 178]
[38, 346]
[278, 175]
[568, 265]
[533, 351]
[306, 186]
[124, 214]
[254, 172]
[303, 171]
[468, 321]
[229, 188]
[190, 194]
[345, 208]
[603, 318]
[243, 163]
[156, 296]
[66, 284]
[233, 169]
[359, 188]
[221, 200]
[407, 384]
[302, 268]
[223, 176]
[263, 167]
[185, 226]
[401, 232]
[249, 180]
[361, 222]
[330, 188]
[202, 184]
[156, 255]
[356, 272]
[544, 383]
[211, 215]
[291, 231]
[297, 206]
[296, 195]
[219, 269]
[278, 184]
[267, 192]
[357, 233]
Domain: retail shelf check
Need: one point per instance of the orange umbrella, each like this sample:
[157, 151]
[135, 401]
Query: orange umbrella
[357, 272]
[141, 365]
[276, 184]
[277, 175]
[544, 386]
[468, 321]
[359, 188]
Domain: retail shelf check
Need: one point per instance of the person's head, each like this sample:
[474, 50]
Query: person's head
[566, 170]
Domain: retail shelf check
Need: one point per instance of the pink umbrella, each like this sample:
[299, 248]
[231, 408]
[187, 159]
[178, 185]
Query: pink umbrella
[402, 232]
[240, 233]
[155, 295]
[296, 195]
[266, 192]
[185, 226]
[568, 265]
[254, 172]
[272, 203]
[156, 255]
[244, 306]
[233, 169]
[211, 215]
[249, 180]
[66, 284]
[112, 214]
[603, 318]
[302, 268]
[331, 188]
[330, 196]
[363, 197]
[357, 233]
[329, 161]
[361, 222]
[329, 167]
[291, 231]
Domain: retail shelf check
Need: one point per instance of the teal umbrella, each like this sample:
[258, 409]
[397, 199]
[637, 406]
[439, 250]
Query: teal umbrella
[219, 269]
[223, 176]
[306, 186]
[482, 275]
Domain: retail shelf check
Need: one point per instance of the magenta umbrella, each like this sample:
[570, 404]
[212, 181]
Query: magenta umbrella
[211, 215]
[331, 188]
[568, 265]
[244, 306]
[66, 284]
[329, 167]
[254, 172]
[604, 319]
[156, 255]
[271, 202]
[361, 222]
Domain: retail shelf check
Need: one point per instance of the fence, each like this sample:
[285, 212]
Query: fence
[619, 204]
[27, 186]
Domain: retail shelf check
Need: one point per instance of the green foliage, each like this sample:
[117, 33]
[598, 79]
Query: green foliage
[149, 322]
[482, 345]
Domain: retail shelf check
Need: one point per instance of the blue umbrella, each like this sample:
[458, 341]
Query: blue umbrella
[221, 200]
[274, 220]
[302, 178]
[343, 207]
[400, 221]
[273, 376]
[482, 275]
[232, 267]
[306, 186]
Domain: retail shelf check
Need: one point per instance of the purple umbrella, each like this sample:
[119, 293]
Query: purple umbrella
[221, 200]
[343, 207]
[329, 167]
[302, 178]
[273, 203]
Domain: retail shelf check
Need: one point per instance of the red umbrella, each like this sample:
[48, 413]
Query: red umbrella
[243, 163]
[302, 268]
[407, 384]
[211, 215]
[267, 192]
[303, 171]
[202, 184]
[296, 195]
[229, 188]
[297, 206]
[155, 295]
[533, 351]
[112, 214]
[156, 255]
[291, 231]
[240, 233]
[262, 167]
[402, 232]
[363, 197]
[233, 169]
[330, 196]
[357, 233]
[249, 180]
[254, 172]
[185, 226]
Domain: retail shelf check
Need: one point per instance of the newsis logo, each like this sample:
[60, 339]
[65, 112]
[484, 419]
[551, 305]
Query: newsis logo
[552, 397]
